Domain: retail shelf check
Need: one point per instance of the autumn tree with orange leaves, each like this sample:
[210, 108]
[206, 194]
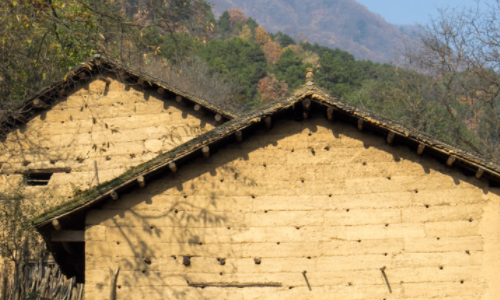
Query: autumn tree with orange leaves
[271, 89]
[261, 36]
[272, 51]
[236, 16]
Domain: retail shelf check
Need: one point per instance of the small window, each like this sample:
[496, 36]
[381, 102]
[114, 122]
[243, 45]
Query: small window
[34, 179]
[38, 177]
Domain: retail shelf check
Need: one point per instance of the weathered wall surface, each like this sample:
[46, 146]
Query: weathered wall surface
[118, 126]
[312, 196]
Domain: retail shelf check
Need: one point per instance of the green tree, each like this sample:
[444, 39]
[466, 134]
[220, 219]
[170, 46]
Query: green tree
[283, 39]
[290, 69]
[240, 59]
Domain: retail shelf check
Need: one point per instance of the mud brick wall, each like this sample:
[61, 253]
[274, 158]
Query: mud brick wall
[312, 196]
[137, 125]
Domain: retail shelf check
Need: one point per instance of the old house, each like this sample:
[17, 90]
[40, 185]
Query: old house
[308, 197]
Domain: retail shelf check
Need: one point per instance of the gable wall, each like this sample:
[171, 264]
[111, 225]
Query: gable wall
[312, 196]
[137, 125]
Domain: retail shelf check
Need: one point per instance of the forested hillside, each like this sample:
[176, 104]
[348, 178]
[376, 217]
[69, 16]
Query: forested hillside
[343, 24]
[182, 42]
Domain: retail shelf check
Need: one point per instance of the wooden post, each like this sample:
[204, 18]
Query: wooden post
[268, 122]
[219, 119]
[114, 277]
[206, 151]
[451, 160]
[83, 76]
[239, 136]
[39, 104]
[172, 167]
[106, 80]
[329, 113]
[123, 74]
[96, 172]
[360, 124]
[56, 224]
[390, 137]
[114, 195]
[162, 92]
[141, 181]
[58, 227]
[180, 100]
[144, 83]
[20, 118]
[4, 283]
[421, 148]
[199, 109]
[306, 104]
[479, 173]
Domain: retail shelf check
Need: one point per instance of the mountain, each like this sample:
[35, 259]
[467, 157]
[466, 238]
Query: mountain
[343, 24]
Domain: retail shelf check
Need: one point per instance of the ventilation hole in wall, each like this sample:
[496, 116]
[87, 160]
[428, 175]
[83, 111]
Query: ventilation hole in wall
[416, 191]
[174, 257]
[253, 196]
[53, 162]
[313, 152]
[359, 241]
[38, 179]
[426, 206]
[440, 267]
[364, 163]
[347, 210]
[308, 257]
[152, 228]
[385, 254]
[265, 211]
[278, 243]
[118, 243]
[201, 244]
[388, 178]
[257, 261]
[90, 132]
[132, 155]
[119, 286]
[176, 211]
[461, 282]
[310, 134]
[290, 288]
[349, 284]
[143, 271]
[467, 251]
[220, 273]
[438, 239]
[302, 180]
[129, 116]
[185, 196]
[330, 195]
[222, 180]
[108, 157]
[327, 148]
[264, 165]
[470, 220]
[62, 122]
[293, 150]
[297, 228]
[229, 228]
[386, 225]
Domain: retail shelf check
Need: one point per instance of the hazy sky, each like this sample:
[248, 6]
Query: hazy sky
[414, 11]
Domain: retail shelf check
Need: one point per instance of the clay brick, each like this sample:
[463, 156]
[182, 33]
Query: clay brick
[447, 244]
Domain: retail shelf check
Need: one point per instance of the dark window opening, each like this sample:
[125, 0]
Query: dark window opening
[36, 179]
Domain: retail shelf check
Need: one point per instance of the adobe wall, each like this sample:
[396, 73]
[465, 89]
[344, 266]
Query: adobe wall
[311, 196]
[77, 130]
